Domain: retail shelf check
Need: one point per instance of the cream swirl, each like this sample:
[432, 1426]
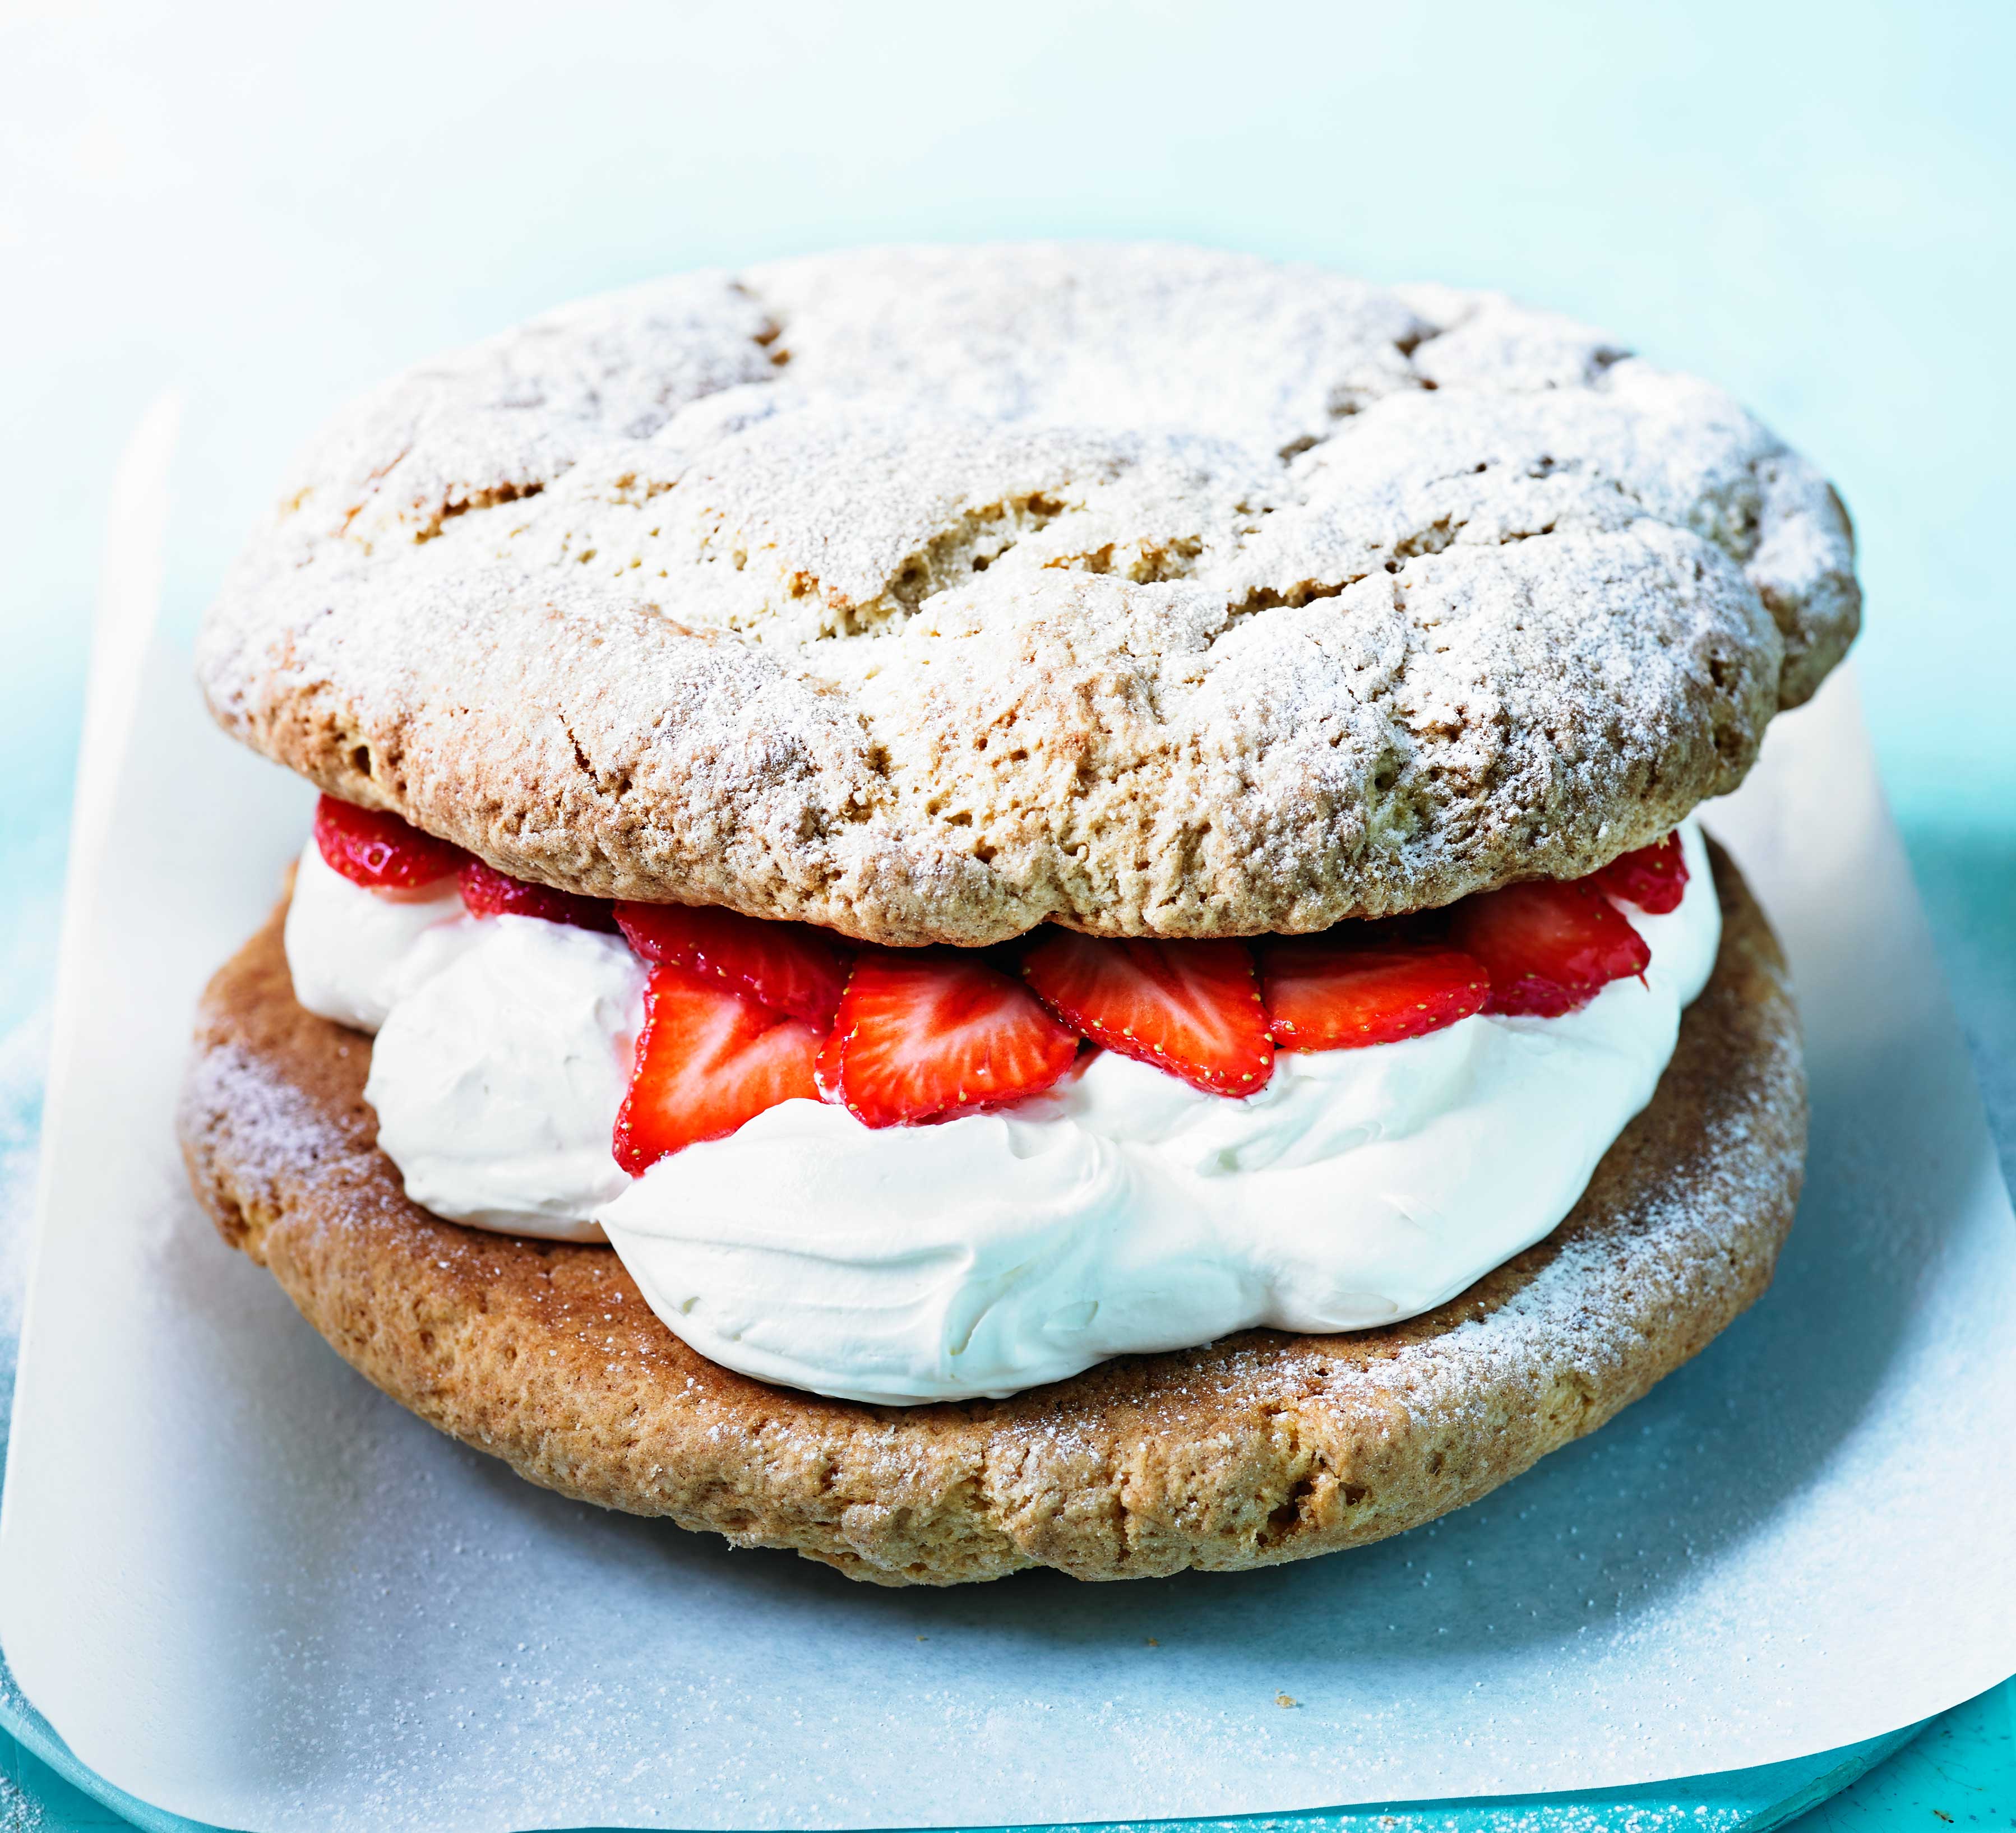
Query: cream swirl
[496, 1081]
[1124, 1212]
[504, 1045]
[353, 953]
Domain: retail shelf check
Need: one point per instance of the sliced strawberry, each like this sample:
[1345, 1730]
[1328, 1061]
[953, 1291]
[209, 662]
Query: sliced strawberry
[1191, 1008]
[372, 848]
[708, 1060]
[1653, 877]
[489, 892]
[1341, 989]
[825, 1068]
[929, 1031]
[1548, 946]
[788, 966]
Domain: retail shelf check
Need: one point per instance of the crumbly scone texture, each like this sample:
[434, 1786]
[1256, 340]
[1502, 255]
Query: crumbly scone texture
[1262, 1448]
[932, 594]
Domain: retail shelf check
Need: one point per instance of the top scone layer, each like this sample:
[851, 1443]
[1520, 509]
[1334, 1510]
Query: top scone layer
[930, 594]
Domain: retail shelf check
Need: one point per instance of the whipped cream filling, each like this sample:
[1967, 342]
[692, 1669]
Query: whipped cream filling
[353, 952]
[497, 1078]
[1124, 1211]
[504, 1048]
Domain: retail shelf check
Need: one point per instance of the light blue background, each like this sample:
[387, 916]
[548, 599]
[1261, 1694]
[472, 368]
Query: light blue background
[270, 207]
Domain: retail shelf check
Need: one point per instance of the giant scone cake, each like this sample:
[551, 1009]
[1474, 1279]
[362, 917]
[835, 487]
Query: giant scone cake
[1029, 905]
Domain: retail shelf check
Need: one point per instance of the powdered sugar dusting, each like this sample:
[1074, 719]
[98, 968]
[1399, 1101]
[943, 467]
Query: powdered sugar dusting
[272, 1124]
[932, 593]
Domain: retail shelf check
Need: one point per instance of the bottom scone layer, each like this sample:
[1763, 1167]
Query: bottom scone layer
[1251, 1451]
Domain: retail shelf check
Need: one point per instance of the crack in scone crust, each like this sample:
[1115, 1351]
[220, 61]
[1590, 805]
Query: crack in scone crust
[933, 594]
[1262, 1448]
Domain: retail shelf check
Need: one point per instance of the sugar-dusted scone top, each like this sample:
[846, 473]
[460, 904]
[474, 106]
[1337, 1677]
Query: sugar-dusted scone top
[932, 594]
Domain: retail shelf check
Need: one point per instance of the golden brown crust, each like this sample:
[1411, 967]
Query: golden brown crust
[1262, 1448]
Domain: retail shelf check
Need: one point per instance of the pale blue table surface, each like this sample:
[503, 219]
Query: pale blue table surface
[268, 208]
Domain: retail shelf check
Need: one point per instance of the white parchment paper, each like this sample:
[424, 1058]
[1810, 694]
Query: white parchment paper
[245, 1587]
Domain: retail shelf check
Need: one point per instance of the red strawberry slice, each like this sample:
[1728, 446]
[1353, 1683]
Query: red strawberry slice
[826, 1067]
[489, 892]
[1548, 946]
[1191, 1008]
[1653, 877]
[1340, 989]
[927, 1032]
[788, 966]
[708, 1060]
[372, 848]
